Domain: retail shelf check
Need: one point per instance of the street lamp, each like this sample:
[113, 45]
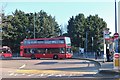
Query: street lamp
[34, 25]
[92, 44]
[115, 18]
[86, 41]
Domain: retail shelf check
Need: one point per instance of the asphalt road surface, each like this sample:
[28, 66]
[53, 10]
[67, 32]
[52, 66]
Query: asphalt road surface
[48, 68]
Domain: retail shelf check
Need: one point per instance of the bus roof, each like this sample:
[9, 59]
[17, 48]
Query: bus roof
[47, 38]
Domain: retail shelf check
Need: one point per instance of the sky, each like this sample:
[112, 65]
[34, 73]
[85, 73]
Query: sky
[62, 10]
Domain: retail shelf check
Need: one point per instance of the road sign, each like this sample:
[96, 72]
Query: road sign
[116, 35]
[116, 55]
[106, 35]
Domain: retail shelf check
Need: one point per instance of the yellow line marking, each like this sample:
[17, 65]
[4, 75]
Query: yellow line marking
[52, 72]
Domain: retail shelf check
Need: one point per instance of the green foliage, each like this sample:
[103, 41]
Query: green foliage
[75, 49]
[21, 25]
[93, 26]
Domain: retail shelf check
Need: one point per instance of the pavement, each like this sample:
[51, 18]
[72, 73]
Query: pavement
[105, 68]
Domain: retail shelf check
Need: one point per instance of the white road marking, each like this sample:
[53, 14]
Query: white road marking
[31, 74]
[11, 74]
[50, 75]
[41, 74]
[70, 75]
[63, 74]
[59, 75]
[15, 74]
[23, 74]
[22, 66]
[10, 71]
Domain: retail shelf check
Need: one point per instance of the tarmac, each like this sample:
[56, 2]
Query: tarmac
[104, 68]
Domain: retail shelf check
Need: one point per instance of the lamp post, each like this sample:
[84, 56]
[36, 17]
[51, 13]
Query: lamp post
[92, 43]
[34, 25]
[0, 29]
[115, 18]
[86, 40]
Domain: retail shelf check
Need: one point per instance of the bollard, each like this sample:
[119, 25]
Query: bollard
[117, 62]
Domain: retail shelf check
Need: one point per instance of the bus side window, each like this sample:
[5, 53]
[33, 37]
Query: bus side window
[46, 50]
[25, 50]
[62, 50]
[39, 51]
[32, 51]
[49, 50]
[35, 50]
[56, 50]
[68, 50]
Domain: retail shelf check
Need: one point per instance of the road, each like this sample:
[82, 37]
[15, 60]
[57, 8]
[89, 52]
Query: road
[46, 68]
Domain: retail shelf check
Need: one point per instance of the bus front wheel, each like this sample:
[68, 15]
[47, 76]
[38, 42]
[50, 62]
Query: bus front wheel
[33, 57]
[55, 57]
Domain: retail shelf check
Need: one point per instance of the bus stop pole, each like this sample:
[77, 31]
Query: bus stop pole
[104, 55]
[116, 37]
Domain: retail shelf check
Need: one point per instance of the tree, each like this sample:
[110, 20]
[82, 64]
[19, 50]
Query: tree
[79, 27]
[20, 25]
[45, 25]
[96, 26]
[75, 29]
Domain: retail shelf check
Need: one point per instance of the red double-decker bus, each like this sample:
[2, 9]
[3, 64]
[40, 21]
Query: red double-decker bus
[56, 48]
